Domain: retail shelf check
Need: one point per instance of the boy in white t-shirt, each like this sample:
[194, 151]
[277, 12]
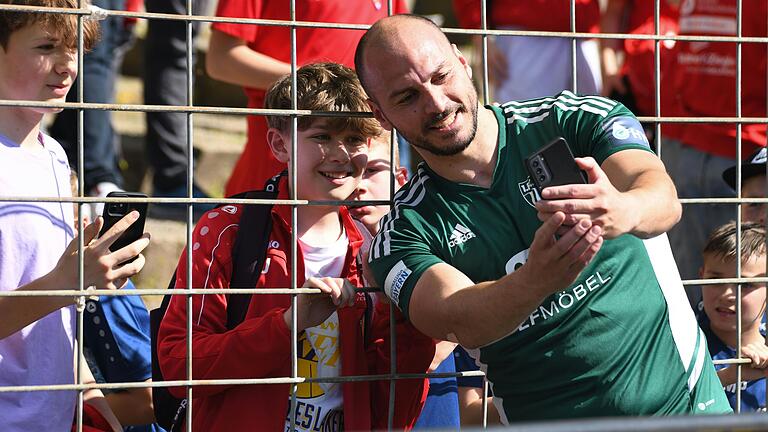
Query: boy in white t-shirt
[37, 251]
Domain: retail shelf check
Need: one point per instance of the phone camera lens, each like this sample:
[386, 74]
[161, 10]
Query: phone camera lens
[538, 171]
[535, 163]
[542, 178]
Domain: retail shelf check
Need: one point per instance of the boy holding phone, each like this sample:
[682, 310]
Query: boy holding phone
[340, 331]
[37, 250]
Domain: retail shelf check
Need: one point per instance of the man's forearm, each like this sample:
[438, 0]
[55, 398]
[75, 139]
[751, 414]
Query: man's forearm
[652, 201]
[498, 308]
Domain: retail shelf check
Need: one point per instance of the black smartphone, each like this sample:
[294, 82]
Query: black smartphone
[114, 211]
[553, 165]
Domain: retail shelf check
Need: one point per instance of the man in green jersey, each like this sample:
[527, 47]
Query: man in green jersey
[592, 321]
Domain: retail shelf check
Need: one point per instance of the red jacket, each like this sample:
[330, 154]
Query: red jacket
[260, 347]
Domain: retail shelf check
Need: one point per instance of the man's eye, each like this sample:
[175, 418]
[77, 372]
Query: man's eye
[321, 137]
[440, 78]
[46, 47]
[406, 98]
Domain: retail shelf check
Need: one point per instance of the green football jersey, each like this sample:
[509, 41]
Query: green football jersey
[622, 340]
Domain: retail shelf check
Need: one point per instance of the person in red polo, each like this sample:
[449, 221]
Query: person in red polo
[704, 77]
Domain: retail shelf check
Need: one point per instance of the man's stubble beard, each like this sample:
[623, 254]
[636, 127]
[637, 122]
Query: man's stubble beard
[447, 149]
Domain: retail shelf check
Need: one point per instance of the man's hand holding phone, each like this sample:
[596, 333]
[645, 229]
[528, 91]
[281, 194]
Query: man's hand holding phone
[598, 201]
[102, 267]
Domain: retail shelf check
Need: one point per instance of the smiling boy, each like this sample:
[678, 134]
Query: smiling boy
[335, 336]
[719, 304]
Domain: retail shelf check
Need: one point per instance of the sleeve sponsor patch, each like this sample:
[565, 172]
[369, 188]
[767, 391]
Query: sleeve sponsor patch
[620, 131]
[395, 280]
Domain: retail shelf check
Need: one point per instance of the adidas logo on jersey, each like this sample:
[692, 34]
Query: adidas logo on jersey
[460, 235]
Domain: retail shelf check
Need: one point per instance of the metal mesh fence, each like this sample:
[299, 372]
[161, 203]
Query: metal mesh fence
[744, 422]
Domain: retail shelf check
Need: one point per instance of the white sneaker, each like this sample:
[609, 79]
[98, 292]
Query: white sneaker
[101, 190]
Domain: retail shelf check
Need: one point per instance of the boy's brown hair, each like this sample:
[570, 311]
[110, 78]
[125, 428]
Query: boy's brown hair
[322, 87]
[385, 140]
[63, 26]
[722, 241]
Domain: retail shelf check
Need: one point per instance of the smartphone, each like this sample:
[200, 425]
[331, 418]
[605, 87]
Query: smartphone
[114, 211]
[553, 165]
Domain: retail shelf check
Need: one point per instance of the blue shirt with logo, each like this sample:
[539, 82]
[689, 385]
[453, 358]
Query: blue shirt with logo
[117, 342]
[752, 392]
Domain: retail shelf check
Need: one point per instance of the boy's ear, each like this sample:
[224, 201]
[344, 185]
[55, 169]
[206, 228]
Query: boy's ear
[379, 115]
[279, 145]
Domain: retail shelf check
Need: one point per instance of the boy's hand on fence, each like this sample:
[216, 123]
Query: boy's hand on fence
[102, 268]
[758, 353]
[313, 309]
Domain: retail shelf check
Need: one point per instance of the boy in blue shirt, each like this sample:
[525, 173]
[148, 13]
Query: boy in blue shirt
[719, 306]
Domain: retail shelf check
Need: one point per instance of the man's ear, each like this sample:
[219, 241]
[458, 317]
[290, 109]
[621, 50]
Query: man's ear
[401, 175]
[279, 145]
[379, 115]
[462, 60]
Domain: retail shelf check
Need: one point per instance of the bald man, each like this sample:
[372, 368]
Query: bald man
[571, 302]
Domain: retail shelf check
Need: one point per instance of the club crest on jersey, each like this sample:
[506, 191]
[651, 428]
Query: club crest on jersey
[528, 191]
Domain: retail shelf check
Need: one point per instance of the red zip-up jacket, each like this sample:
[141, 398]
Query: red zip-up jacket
[260, 347]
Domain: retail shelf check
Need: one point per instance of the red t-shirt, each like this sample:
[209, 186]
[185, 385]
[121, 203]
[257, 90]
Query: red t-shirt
[257, 163]
[705, 74]
[540, 15]
[639, 58]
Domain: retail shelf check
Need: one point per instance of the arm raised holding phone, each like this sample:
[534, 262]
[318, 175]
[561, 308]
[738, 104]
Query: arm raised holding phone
[102, 268]
[630, 193]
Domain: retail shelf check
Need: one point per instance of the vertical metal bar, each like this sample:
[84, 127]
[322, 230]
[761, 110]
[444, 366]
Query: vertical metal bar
[487, 100]
[392, 332]
[484, 51]
[574, 47]
[765, 210]
[80, 241]
[657, 74]
[294, 217]
[190, 218]
[739, 6]
[485, 403]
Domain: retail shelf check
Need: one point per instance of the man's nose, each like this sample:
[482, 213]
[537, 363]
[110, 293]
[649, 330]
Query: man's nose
[436, 100]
